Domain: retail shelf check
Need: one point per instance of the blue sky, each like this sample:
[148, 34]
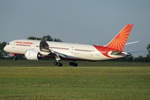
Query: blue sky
[77, 21]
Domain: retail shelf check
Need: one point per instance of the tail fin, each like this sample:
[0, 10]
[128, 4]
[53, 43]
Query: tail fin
[119, 41]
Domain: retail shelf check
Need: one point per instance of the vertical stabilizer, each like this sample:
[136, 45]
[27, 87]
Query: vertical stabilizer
[119, 41]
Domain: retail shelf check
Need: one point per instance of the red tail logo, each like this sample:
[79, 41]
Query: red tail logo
[119, 41]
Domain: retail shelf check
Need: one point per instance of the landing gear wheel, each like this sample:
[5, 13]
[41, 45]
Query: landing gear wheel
[15, 58]
[58, 64]
[73, 64]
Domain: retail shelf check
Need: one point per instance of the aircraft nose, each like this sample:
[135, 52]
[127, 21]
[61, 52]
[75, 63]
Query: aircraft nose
[6, 48]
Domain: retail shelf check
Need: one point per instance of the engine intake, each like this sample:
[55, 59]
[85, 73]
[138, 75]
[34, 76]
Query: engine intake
[32, 54]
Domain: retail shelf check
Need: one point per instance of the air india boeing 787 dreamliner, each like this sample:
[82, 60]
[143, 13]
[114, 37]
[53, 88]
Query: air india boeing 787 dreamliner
[35, 49]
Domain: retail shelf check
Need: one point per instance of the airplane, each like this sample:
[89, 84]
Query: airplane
[36, 49]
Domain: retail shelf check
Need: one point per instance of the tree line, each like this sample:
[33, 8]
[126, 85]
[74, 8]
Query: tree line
[47, 38]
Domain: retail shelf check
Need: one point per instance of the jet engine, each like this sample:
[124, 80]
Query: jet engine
[32, 54]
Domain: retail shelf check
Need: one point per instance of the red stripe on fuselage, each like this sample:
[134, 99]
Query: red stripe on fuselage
[23, 43]
[103, 50]
[20, 42]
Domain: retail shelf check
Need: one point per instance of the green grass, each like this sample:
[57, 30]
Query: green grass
[49, 63]
[81, 83]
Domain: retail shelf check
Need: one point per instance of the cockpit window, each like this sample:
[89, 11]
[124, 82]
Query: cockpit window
[7, 43]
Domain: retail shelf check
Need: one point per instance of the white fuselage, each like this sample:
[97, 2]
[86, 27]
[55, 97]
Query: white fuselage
[32, 49]
[66, 50]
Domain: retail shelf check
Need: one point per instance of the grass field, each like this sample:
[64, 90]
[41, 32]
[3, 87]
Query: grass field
[49, 63]
[68, 83]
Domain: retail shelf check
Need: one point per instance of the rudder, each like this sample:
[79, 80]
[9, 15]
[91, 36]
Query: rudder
[119, 41]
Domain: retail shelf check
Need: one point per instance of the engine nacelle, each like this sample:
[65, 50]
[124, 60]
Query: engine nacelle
[44, 53]
[31, 54]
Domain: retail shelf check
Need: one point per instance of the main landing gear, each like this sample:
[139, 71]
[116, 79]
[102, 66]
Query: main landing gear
[74, 64]
[58, 63]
